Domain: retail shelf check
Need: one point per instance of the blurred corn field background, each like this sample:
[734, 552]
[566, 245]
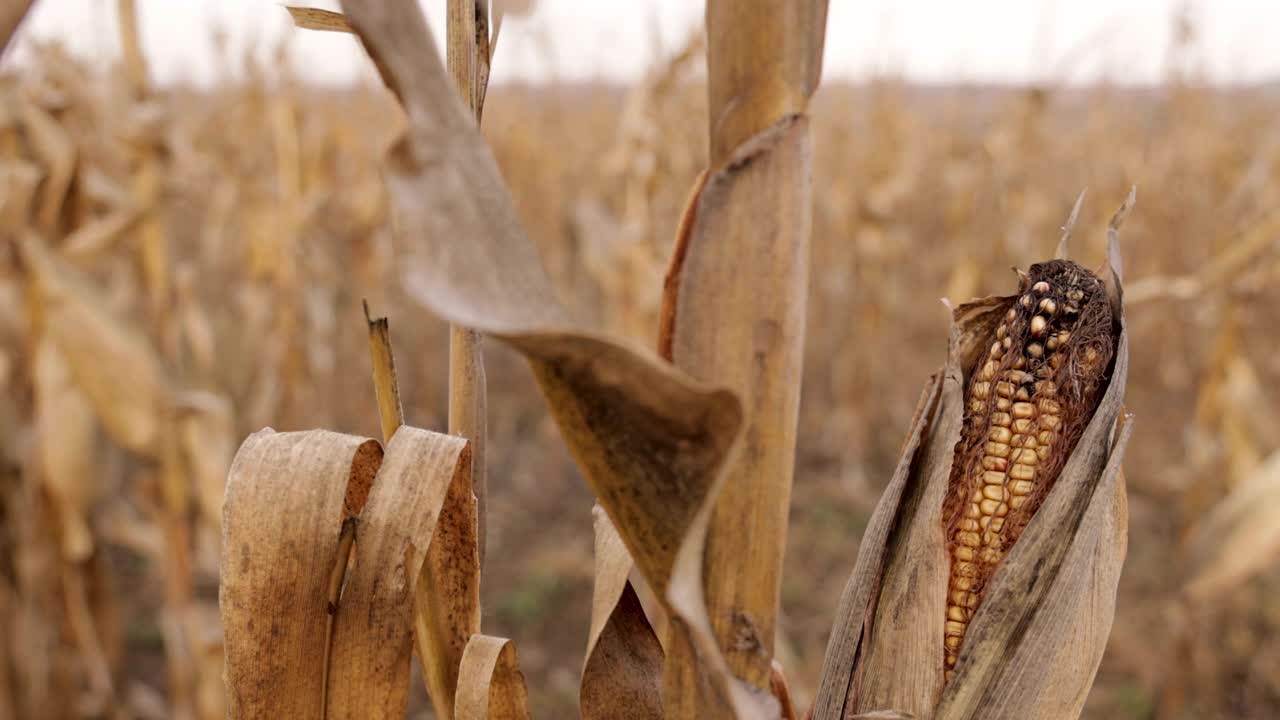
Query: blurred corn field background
[183, 266]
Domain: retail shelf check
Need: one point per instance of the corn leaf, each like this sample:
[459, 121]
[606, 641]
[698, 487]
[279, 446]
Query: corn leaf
[622, 676]
[491, 685]
[284, 507]
[415, 580]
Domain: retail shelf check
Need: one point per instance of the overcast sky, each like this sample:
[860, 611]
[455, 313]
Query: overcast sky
[933, 40]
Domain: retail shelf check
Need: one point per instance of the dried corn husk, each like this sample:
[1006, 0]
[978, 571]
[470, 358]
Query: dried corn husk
[491, 686]
[1038, 635]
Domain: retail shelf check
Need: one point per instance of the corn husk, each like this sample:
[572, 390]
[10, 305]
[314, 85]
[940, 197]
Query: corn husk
[1038, 636]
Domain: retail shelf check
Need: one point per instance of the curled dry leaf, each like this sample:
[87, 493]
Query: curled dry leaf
[113, 364]
[1050, 602]
[1240, 536]
[281, 519]
[317, 19]
[66, 435]
[11, 14]
[58, 153]
[651, 441]
[622, 676]
[415, 580]
[491, 686]
[206, 433]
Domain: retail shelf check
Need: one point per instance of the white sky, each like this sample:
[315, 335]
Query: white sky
[932, 40]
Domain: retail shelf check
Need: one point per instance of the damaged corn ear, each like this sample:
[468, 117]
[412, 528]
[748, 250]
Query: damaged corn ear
[1029, 401]
[1004, 526]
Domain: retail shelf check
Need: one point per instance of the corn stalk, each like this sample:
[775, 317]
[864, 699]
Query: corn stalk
[734, 311]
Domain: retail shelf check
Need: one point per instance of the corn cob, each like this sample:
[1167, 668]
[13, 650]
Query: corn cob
[1033, 393]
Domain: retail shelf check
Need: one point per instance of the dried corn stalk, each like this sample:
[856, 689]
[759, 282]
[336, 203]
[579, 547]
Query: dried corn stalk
[651, 441]
[937, 625]
[734, 311]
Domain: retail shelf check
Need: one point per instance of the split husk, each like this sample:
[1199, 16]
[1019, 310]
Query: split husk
[1035, 643]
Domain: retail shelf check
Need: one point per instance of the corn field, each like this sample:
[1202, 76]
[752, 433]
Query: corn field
[184, 268]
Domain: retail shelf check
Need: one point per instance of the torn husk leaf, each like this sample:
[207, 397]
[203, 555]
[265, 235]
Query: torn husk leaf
[622, 675]
[1035, 641]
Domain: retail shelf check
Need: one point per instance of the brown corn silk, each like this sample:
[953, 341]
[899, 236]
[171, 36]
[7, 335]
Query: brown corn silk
[1033, 645]
[1029, 400]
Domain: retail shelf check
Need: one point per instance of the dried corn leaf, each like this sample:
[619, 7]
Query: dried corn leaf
[415, 581]
[491, 685]
[58, 153]
[114, 365]
[750, 220]
[317, 19]
[622, 676]
[651, 441]
[206, 434]
[18, 183]
[66, 435]
[283, 511]
[1036, 640]
[1240, 536]
[11, 14]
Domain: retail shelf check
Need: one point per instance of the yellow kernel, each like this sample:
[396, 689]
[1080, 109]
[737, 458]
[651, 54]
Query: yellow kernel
[1046, 437]
[968, 539]
[1000, 434]
[1043, 452]
[1016, 501]
[955, 612]
[997, 350]
[1035, 350]
[1022, 472]
[1003, 404]
[969, 525]
[997, 449]
[953, 642]
[1076, 295]
[1051, 421]
[972, 511]
[991, 477]
[1022, 426]
[1041, 287]
[963, 553]
[1001, 418]
[1025, 301]
[962, 584]
[989, 507]
[1039, 326]
[1011, 315]
[1022, 394]
[1023, 410]
[1004, 389]
[981, 390]
[994, 492]
[1046, 387]
[1001, 331]
[1049, 306]
[1019, 362]
[1049, 407]
[1020, 487]
[1026, 456]
[994, 463]
[1002, 510]
[995, 524]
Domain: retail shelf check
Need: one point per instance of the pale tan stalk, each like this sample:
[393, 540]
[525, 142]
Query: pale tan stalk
[734, 312]
[467, 55]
